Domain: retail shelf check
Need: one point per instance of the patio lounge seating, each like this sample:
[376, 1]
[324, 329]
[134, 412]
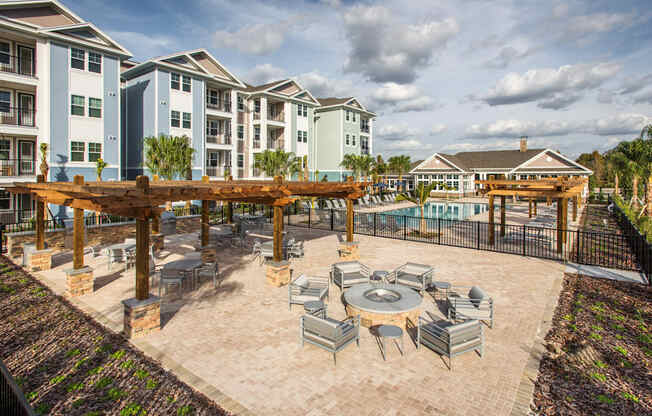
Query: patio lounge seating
[306, 288]
[348, 273]
[170, 277]
[330, 334]
[476, 305]
[416, 276]
[450, 339]
[209, 270]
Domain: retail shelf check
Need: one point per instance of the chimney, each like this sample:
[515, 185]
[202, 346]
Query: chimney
[523, 144]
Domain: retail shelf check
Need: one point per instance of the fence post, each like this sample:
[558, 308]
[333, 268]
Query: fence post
[2, 238]
[331, 219]
[309, 212]
[374, 224]
[577, 242]
[438, 230]
[404, 227]
[477, 223]
[524, 251]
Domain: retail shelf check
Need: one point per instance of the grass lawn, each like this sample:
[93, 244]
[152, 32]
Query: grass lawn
[599, 358]
[67, 364]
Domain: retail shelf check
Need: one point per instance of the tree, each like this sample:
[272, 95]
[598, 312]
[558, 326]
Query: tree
[365, 165]
[380, 168]
[100, 164]
[277, 163]
[399, 165]
[350, 162]
[421, 195]
[617, 164]
[169, 157]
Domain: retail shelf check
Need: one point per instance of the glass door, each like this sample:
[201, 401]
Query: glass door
[26, 157]
[25, 60]
[26, 110]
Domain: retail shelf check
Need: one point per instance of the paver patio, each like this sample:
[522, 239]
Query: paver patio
[242, 339]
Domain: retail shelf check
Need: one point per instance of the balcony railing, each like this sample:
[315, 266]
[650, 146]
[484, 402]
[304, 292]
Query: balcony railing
[219, 105]
[364, 128]
[16, 167]
[15, 116]
[216, 171]
[280, 116]
[223, 138]
[256, 115]
[276, 144]
[364, 150]
[256, 143]
[16, 65]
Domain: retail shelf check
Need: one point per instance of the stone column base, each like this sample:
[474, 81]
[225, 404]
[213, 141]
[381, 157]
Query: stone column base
[40, 260]
[158, 241]
[349, 251]
[278, 273]
[141, 317]
[79, 282]
[208, 254]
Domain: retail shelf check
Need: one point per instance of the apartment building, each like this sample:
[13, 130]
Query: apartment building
[187, 93]
[343, 126]
[60, 85]
[276, 115]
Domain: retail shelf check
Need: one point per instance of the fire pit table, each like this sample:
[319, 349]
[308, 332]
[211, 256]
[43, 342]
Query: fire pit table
[383, 304]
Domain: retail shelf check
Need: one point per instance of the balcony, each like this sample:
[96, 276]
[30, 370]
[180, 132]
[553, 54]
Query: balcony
[223, 138]
[217, 171]
[224, 106]
[276, 144]
[16, 167]
[364, 128]
[14, 116]
[17, 65]
[256, 143]
[257, 115]
[276, 116]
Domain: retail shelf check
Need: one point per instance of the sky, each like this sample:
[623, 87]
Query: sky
[442, 76]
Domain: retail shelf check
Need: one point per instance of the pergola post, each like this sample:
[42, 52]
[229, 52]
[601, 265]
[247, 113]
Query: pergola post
[278, 270]
[79, 279]
[548, 201]
[349, 249]
[534, 206]
[229, 205]
[560, 226]
[41, 258]
[575, 208]
[529, 208]
[278, 233]
[349, 221]
[502, 215]
[564, 216]
[142, 313]
[492, 237]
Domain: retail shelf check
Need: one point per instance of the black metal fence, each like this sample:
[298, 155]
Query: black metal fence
[627, 251]
[12, 400]
[637, 241]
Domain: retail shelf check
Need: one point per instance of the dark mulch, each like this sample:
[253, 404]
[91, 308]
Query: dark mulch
[68, 364]
[599, 358]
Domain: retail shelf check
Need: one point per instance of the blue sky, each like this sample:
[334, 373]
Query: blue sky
[448, 75]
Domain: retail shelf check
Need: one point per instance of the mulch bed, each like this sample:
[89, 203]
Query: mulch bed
[599, 351]
[68, 364]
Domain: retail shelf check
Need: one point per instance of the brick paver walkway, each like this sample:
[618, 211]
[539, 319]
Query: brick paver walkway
[242, 339]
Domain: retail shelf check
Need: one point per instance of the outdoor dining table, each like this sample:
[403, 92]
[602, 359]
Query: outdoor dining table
[185, 265]
[124, 247]
[221, 231]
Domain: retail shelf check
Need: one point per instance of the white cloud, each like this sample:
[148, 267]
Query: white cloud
[401, 98]
[600, 22]
[559, 101]
[396, 131]
[321, 86]
[634, 83]
[506, 56]
[407, 145]
[546, 83]
[422, 103]
[258, 38]
[141, 44]
[620, 124]
[644, 97]
[264, 73]
[438, 129]
[386, 50]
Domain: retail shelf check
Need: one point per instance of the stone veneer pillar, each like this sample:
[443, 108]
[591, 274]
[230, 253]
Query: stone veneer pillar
[141, 317]
[79, 282]
[40, 260]
[278, 273]
[349, 251]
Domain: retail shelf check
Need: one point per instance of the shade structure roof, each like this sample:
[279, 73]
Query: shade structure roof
[142, 198]
[561, 187]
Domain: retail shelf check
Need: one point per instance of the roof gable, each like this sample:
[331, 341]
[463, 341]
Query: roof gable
[550, 160]
[211, 65]
[305, 95]
[287, 88]
[39, 13]
[355, 103]
[438, 162]
[496, 159]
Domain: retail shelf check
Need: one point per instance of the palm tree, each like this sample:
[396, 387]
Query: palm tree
[617, 163]
[421, 195]
[277, 163]
[169, 157]
[399, 165]
[380, 168]
[365, 165]
[350, 162]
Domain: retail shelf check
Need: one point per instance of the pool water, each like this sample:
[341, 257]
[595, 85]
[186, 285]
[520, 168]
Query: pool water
[448, 211]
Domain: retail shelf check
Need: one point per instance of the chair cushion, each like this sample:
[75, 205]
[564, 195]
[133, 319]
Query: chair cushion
[414, 268]
[347, 266]
[301, 281]
[476, 295]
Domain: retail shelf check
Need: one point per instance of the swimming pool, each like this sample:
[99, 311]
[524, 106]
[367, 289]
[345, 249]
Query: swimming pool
[444, 210]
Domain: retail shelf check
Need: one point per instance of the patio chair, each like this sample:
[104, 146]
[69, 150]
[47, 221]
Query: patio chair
[476, 305]
[450, 339]
[306, 288]
[209, 270]
[295, 250]
[348, 273]
[413, 275]
[330, 334]
[170, 277]
[116, 255]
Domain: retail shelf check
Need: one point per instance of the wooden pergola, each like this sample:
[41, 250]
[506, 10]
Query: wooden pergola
[562, 189]
[142, 200]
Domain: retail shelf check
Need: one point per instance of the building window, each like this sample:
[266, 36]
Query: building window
[77, 58]
[354, 117]
[299, 110]
[95, 62]
[211, 127]
[5, 101]
[212, 97]
[77, 104]
[256, 133]
[353, 140]
[174, 81]
[240, 161]
[5, 200]
[5, 54]
[240, 103]
[305, 110]
[348, 141]
[257, 106]
[240, 132]
[186, 120]
[94, 151]
[5, 149]
[348, 114]
[186, 83]
[94, 107]
[77, 150]
[175, 118]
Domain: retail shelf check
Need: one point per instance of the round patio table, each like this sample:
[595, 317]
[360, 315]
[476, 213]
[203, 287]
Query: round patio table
[442, 286]
[185, 265]
[390, 332]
